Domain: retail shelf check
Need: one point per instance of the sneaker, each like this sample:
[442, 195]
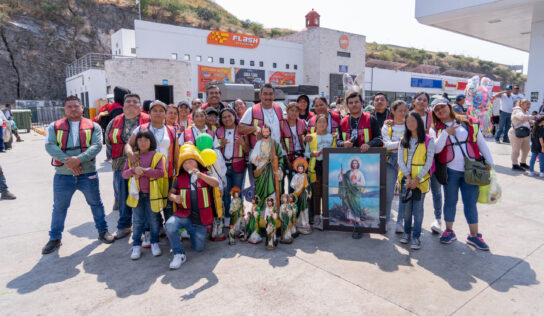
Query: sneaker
[177, 261]
[436, 226]
[541, 174]
[404, 239]
[530, 173]
[136, 252]
[448, 236]
[226, 221]
[51, 246]
[155, 249]
[517, 168]
[8, 196]
[416, 243]
[478, 242]
[498, 141]
[146, 243]
[524, 166]
[123, 232]
[399, 229]
[106, 238]
[356, 235]
[506, 141]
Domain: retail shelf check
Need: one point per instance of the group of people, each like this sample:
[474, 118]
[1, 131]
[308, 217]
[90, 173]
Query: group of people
[166, 183]
[8, 130]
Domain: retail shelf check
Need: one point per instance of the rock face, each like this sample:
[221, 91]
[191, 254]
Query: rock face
[37, 41]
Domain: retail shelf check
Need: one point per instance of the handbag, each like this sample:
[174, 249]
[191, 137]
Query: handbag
[440, 171]
[521, 131]
[476, 172]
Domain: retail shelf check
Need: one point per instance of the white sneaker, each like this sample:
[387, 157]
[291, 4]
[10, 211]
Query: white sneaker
[530, 173]
[136, 252]
[155, 250]
[146, 243]
[541, 174]
[399, 229]
[436, 226]
[227, 221]
[185, 234]
[178, 260]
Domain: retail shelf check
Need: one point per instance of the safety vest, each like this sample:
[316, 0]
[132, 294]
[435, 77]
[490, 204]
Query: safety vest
[158, 187]
[313, 147]
[258, 119]
[173, 139]
[334, 122]
[190, 137]
[471, 146]
[418, 161]
[288, 143]
[364, 133]
[204, 197]
[62, 132]
[238, 160]
[117, 130]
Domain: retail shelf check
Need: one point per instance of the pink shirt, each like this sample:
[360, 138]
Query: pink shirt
[145, 162]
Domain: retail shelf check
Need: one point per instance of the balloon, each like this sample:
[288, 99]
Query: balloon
[470, 90]
[208, 156]
[204, 141]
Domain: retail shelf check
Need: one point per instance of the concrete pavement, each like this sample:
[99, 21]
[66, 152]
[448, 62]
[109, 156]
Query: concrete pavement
[323, 273]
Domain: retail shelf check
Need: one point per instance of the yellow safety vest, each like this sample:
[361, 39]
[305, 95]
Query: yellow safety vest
[418, 161]
[313, 147]
[158, 187]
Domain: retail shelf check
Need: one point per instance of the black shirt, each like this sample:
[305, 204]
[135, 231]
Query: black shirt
[381, 117]
[376, 139]
[535, 142]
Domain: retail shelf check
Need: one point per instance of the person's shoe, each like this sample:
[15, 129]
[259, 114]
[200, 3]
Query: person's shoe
[478, 242]
[136, 252]
[541, 174]
[448, 236]
[20, 140]
[226, 221]
[51, 246]
[506, 141]
[436, 226]
[356, 235]
[106, 238]
[115, 205]
[416, 243]
[404, 239]
[524, 166]
[146, 243]
[155, 249]
[517, 168]
[177, 261]
[399, 229]
[8, 196]
[498, 141]
[530, 173]
[123, 232]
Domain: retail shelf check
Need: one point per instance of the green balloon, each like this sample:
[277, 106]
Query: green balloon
[204, 141]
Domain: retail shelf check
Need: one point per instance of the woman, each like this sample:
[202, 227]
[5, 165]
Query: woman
[303, 104]
[520, 118]
[455, 138]
[184, 112]
[322, 107]
[199, 127]
[171, 120]
[421, 106]
[391, 136]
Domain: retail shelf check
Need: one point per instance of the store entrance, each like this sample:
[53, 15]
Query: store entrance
[164, 93]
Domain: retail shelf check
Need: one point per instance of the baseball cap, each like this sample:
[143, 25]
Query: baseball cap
[508, 87]
[438, 102]
[211, 110]
[157, 102]
[183, 102]
[460, 97]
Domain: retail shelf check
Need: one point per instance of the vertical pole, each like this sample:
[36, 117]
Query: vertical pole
[140, 10]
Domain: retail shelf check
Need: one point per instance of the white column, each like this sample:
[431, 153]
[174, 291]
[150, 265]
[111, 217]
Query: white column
[535, 72]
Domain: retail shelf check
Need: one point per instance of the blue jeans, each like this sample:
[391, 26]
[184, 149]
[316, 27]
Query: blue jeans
[125, 213]
[108, 151]
[392, 173]
[413, 209]
[1, 137]
[3, 184]
[144, 216]
[532, 162]
[234, 179]
[469, 195]
[505, 121]
[64, 187]
[436, 189]
[196, 232]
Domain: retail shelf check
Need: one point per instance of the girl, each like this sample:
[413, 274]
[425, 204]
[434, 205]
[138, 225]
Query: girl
[303, 103]
[455, 138]
[391, 136]
[314, 152]
[150, 176]
[415, 162]
[537, 148]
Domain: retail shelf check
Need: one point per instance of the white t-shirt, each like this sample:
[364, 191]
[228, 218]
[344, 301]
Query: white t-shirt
[74, 131]
[229, 148]
[397, 131]
[518, 96]
[507, 103]
[270, 119]
[162, 138]
[294, 133]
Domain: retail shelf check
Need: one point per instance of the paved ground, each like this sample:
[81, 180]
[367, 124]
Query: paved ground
[324, 273]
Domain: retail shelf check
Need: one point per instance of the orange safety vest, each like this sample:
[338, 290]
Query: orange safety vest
[117, 130]
[62, 132]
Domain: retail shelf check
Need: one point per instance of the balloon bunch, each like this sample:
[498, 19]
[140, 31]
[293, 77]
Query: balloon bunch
[478, 97]
[204, 144]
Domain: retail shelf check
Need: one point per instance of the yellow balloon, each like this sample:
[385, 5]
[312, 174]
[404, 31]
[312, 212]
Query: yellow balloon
[209, 156]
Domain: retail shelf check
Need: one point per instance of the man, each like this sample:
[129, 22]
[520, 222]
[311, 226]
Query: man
[74, 142]
[6, 195]
[265, 112]
[118, 133]
[213, 95]
[505, 118]
[266, 175]
[109, 111]
[459, 105]
[9, 117]
[381, 108]
[3, 121]
[516, 95]
[240, 108]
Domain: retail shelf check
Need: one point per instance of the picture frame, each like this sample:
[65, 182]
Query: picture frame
[342, 209]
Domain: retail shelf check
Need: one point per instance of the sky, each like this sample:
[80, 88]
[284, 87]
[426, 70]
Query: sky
[381, 21]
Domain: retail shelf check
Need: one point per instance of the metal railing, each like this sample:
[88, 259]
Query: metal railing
[89, 61]
[44, 112]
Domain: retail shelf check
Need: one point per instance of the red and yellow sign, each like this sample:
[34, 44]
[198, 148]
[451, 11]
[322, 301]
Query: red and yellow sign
[207, 74]
[233, 39]
[281, 78]
[344, 41]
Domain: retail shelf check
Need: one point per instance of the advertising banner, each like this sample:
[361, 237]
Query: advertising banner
[207, 74]
[282, 78]
[251, 76]
[233, 39]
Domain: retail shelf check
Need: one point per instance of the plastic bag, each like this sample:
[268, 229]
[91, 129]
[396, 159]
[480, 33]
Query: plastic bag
[6, 132]
[133, 191]
[491, 193]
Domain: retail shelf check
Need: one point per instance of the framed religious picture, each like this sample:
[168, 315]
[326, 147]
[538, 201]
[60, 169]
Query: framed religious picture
[354, 189]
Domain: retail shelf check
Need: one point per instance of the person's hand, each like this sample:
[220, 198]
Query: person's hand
[452, 128]
[365, 148]
[315, 153]
[308, 138]
[348, 144]
[223, 142]
[388, 122]
[133, 158]
[172, 197]
[77, 170]
[139, 171]
[258, 130]
[72, 162]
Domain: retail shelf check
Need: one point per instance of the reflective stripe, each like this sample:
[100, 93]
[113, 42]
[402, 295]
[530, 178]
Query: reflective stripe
[240, 151]
[439, 132]
[475, 132]
[183, 194]
[343, 136]
[205, 197]
[59, 138]
[114, 136]
[88, 137]
[367, 137]
[287, 145]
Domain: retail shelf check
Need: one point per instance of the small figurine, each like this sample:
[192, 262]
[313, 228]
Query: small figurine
[270, 222]
[301, 185]
[236, 215]
[252, 226]
[286, 216]
[294, 212]
[217, 230]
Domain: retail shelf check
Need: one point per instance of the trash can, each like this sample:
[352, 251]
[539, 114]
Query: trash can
[22, 118]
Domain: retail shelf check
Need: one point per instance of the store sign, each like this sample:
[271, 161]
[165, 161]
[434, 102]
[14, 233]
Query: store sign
[344, 41]
[165, 82]
[343, 68]
[450, 84]
[207, 74]
[233, 39]
[534, 96]
[251, 76]
[426, 83]
[282, 78]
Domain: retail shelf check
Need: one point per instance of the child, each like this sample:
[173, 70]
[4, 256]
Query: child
[314, 151]
[152, 189]
[537, 148]
[415, 159]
